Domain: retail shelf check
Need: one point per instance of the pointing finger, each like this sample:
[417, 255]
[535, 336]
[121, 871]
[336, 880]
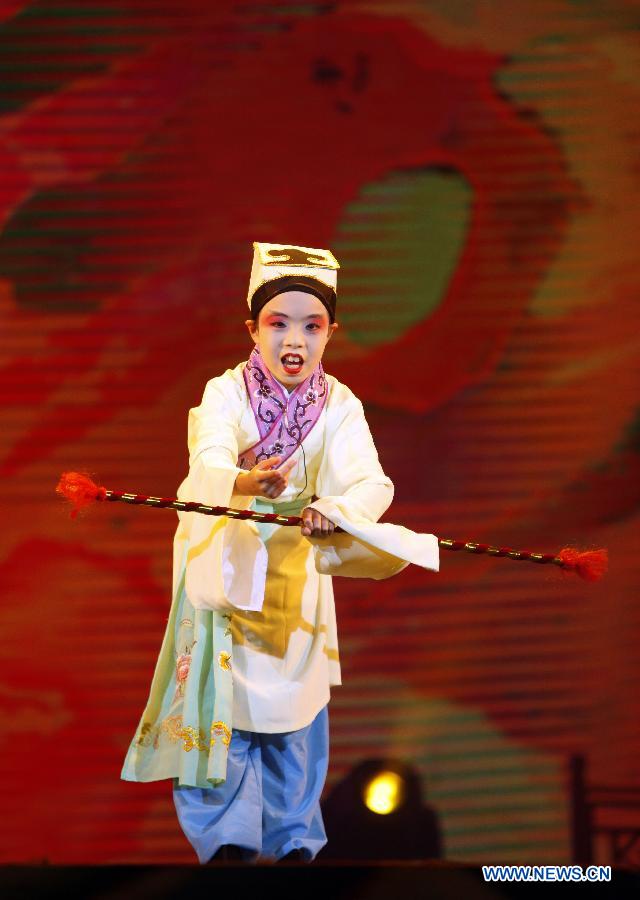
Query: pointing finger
[270, 463]
[287, 466]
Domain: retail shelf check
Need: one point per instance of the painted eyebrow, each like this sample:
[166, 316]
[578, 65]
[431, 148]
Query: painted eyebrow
[285, 316]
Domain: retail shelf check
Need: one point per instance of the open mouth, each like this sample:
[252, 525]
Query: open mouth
[292, 363]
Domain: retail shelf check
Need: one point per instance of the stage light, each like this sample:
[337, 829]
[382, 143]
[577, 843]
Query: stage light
[384, 793]
[377, 812]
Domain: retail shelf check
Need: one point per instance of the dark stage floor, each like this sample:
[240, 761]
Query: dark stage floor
[356, 881]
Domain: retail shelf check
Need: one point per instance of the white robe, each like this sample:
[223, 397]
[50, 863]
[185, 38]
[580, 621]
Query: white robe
[275, 583]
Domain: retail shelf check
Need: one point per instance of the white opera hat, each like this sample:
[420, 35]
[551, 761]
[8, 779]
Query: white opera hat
[282, 267]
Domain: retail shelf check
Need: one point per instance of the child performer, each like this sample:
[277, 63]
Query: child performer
[237, 713]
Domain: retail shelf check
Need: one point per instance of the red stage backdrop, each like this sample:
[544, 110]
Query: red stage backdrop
[474, 167]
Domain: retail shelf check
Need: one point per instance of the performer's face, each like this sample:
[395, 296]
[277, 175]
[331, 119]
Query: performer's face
[296, 323]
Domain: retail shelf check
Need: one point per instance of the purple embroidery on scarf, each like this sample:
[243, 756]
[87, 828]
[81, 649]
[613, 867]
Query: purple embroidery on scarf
[284, 420]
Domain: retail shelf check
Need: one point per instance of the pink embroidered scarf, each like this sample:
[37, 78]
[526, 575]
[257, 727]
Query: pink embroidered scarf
[284, 419]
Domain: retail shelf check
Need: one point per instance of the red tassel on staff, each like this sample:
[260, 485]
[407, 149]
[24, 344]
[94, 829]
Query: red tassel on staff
[78, 488]
[589, 564]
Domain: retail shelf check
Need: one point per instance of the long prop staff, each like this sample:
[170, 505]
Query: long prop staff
[81, 491]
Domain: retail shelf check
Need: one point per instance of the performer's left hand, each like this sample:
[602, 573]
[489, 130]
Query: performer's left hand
[314, 524]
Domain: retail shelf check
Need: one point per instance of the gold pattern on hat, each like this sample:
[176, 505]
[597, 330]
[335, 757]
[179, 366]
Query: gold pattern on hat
[283, 255]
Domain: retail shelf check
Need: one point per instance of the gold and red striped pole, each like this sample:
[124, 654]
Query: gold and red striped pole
[81, 491]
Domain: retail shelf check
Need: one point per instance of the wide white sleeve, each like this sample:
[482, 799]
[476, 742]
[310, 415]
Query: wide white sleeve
[225, 558]
[350, 471]
[213, 441]
[353, 493]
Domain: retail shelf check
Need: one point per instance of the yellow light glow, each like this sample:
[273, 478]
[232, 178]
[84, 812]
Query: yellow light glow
[384, 793]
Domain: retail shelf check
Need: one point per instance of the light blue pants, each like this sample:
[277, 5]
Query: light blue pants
[270, 801]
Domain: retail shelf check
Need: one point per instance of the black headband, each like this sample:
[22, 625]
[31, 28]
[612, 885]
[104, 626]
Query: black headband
[270, 289]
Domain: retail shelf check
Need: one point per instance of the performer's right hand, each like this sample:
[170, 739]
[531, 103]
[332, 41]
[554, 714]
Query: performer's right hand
[264, 479]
